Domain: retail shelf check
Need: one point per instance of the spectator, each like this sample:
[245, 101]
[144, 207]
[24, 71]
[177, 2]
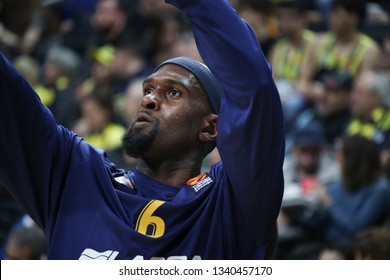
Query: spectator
[97, 125]
[287, 53]
[100, 77]
[343, 47]
[309, 157]
[21, 26]
[74, 26]
[373, 244]
[260, 17]
[26, 243]
[114, 22]
[361, 198]
[29, 68]
[286, 56]
[370, 107]
[129, 63]
[331, 107]
[158, 20]
[60, 69]
[309, 164]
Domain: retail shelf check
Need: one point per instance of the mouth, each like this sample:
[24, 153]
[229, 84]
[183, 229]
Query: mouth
[143, 117]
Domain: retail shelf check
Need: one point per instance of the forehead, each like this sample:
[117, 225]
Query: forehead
[172, 74]
[173, 70]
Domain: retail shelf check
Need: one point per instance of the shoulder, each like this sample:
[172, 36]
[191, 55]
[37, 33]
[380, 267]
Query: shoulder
[111, 167]
[368, 41]
[369, 47]
[82, 152]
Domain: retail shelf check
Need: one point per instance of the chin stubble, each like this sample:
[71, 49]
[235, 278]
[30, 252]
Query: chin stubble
[136, 143]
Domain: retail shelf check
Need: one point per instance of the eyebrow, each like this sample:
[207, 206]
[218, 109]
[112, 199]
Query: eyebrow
[169, 81]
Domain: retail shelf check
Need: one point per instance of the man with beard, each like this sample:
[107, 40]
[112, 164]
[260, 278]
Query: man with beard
[165, 209]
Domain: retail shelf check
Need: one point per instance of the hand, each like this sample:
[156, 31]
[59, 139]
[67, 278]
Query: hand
[322, 195]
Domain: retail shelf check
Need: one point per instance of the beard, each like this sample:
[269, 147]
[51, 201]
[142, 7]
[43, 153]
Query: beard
[136, 143]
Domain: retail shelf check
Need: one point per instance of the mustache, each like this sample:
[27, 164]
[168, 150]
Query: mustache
[143, 116]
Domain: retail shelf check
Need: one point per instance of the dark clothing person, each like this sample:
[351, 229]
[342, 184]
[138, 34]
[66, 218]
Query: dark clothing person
[165, 209]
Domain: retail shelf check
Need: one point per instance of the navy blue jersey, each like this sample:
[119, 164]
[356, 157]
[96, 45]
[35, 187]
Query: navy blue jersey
[91, 210]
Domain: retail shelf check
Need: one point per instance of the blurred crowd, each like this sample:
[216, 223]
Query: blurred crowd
[331, 63]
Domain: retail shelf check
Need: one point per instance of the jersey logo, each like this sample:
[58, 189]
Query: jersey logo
[199, 182]
[90, 254]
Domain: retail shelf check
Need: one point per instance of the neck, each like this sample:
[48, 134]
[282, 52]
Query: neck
[171, 172]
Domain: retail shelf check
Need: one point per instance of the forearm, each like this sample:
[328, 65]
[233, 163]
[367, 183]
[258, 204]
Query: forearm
[22, 115]
[33, 149]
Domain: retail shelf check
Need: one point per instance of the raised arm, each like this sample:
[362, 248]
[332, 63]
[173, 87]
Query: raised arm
[33, 150]
[250, 136]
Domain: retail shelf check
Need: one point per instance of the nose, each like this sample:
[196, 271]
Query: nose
[150, 101]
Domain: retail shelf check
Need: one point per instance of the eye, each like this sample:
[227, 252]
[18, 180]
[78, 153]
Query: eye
[174, 93]
[148, 91]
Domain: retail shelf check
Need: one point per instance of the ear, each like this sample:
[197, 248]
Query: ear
[208, 131]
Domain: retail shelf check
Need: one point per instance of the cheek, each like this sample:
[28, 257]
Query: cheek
[178, 112]
[180, 121]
